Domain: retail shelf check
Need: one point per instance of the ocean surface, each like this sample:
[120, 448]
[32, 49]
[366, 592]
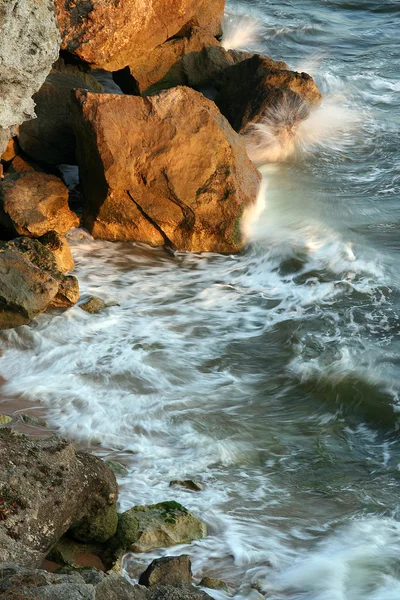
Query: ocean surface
[272, 376]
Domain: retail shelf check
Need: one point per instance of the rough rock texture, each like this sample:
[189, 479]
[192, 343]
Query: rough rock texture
[169, 570]
[29, 45]
[60, 249]
[31, 282]
[166, 169]
[159, 525]
[169, 592]
[11, 150]
[256, 84]
[46, 486]
[214, 584]
[33, 204]
[112, 35]
[189, 484]
[49, 137]
[18, 583]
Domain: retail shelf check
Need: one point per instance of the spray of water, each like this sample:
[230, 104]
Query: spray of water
[289, 129]
[242, 33]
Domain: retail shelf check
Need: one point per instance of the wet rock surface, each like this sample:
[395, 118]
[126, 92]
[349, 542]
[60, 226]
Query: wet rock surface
[179, 175]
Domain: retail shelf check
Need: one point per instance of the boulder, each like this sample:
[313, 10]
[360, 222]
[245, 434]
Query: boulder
[189, 484]
[159, 525]
[214, 584]
[32, 204]
[111, 36]
[11, 150]
[165, 169]
[254, 85]
[31, 282]
[169, 592]
[30, 43]
[169, 570]
[94, 306]
[49, 137]
[46, 486]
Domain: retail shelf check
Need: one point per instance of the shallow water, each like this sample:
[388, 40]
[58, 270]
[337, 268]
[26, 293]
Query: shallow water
[272, 376]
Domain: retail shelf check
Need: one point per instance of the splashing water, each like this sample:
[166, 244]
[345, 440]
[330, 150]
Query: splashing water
[241, 34]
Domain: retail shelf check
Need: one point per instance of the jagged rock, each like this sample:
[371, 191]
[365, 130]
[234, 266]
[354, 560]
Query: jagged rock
[60, 249]
[255, 84]
[32, 204]
[30, 43]
[112, 36]
[159, 525]
[46, 487]
[31, 282]
[49, 138]
[169, 570]
[166, 169]
[189, 484]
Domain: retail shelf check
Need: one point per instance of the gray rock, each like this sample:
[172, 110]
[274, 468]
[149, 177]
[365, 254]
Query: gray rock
[169, 592]
[115, 587]
[169, 570]
[189, 484]
[45, 487]
[214, 584]
[30, 43]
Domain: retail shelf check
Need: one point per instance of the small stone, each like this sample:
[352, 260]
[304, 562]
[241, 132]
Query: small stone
[214, 584]
[189, 484]
[169, 570]
[5, 419]
[95, 305]
[33, 421]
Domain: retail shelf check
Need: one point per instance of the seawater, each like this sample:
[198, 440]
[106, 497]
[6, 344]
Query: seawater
[272, 376]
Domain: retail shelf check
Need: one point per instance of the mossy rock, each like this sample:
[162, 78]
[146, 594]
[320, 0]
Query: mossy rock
[214, 584]
[99, 528]
[5, 419]
[143, 528]
[117, 468]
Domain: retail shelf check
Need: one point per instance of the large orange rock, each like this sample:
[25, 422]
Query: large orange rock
[254, 85]
[164, 169]
[32, 204]
[111, 35]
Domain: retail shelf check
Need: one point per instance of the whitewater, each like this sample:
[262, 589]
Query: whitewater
[271, 376]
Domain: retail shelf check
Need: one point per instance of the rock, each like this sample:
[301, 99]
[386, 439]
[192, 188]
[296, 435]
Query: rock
[159, 525]
[169, 570]
[32, 204]
[117, 468]
[31, 282]
[214, 584]
[74, 555]
[5, 419]
[30, 43]
[11, 150]
[169, 592]
[255, 84]
[186, 186]
[111, 36]
[95, 305]
[49, 138]
[48, 487]
[19, 583]
[189, 484]
[20, 164]
[99, 528]
[58, 246]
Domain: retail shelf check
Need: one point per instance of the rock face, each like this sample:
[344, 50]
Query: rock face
[159, 525]
[33, 204]
[113, 35]
[58, 246]
[29, 45]
[49, 137]
[169, 570]
[45, 487]
[254, 85]
[165, 169]
[31, 282]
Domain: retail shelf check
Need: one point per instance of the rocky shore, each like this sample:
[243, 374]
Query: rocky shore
[167, 162]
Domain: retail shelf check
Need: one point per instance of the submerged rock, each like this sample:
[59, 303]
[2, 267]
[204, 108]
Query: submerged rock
[32, 204]
[166, 169]
[47, 486]
[95, 305]
[169, 570]
[214, 584]
[5, 419]
[189, 484]
[159, 525]
[29, 45]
